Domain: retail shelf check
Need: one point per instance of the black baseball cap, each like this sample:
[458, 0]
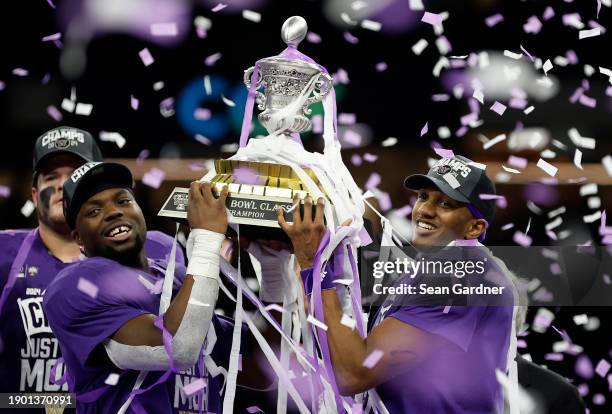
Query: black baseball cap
[65, 139]
[90, 179]
[462, 180]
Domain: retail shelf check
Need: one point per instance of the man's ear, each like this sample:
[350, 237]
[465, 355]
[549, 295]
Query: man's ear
[77, 238]
[35, 196]
[476, 228]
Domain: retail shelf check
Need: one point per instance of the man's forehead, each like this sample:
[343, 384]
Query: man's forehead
[57, 161]
[106, 194]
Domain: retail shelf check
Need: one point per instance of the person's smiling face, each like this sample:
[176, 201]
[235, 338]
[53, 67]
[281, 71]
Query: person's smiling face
[437, 219]
[111, 224]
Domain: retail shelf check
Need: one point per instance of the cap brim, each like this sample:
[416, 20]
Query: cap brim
[45, 157]
[416, 182]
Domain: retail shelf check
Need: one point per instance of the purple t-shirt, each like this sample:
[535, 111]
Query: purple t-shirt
[83, 319]
[25, 366]
[460, 377]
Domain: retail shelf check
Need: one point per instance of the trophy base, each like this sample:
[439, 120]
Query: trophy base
[256, 215]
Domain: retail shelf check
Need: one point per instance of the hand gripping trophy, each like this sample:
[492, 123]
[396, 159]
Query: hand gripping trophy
[267, 172]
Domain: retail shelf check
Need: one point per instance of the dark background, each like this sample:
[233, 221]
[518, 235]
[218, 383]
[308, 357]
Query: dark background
[396, 102]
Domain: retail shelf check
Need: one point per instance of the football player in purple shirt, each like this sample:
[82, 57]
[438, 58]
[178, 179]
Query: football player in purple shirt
[30, 260]
[104, 310]
[435, 359]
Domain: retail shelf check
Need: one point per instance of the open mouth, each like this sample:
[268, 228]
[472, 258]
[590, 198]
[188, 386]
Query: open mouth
[120, 232]
[424, 227]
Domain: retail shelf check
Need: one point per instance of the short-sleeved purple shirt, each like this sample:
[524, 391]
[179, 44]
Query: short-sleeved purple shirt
[25, 365]
[83, 318]
[460, 377]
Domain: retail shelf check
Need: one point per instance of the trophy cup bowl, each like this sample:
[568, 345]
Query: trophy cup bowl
[257, 189]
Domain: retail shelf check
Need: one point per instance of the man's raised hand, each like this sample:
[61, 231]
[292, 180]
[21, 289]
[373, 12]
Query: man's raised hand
[204, 210]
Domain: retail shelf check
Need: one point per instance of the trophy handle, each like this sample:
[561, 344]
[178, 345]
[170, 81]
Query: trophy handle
[260, 97]
[322, 86]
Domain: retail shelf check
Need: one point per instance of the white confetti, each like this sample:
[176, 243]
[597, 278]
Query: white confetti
[316, 322]
[588, 189]
[371, 25]
[68, 105]
[494, 141]
[513, 55]
[228, 101]
[28, 208]
[419, 46]
[580, 141]
[158, 86]
[583, 34]
[112, 379]
[478, 95]
[416, 5]
[547, 168]
[115, 137]
[510, 170]
[529, 110]
[348, 321]
[83, 109]
[607, 164]
[578, 158]
[251, 15]
[594, 202]
[389, 142]
[207, 86]
[590, 218]
[440, 64]
[547, 66]
[443, 132]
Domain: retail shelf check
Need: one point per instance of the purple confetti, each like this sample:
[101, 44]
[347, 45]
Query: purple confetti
[599, 399]
[218, 7]
[555, 268]
[493, 20]
[381, 66]
[528, 54]
[384, 199]
[444, 153]
[404, 211]
[245, 175]
[20, 72]
[154, 178]
[553, 356]
[370, 157]
[317, 124]
[194, 387]
[549, 13]
[432, 18]
[521, 344]
[195, 166]
[166, 29]
[571, 56]
[461, 131]
[254, 409]
[352, 137]
[498, 108]
[373, 358]
[87, 287]
[350, 38]
[54, 113]
[5, 192]
[533, 25]
[583, 390]
[134, 102]
[142, 156]
[201, 114]
[500, 200]
[584, 367]
[146, 57]
[312, 37]
[2, 85]
[372, 181]
[576, 95]
[45, 79]
[50, 3]
[518, 162]
[425, 128]
[587, 101]
[602, 368]
[346, 119]
[55, 36]
[356, 160]
[522, 239]
[507, 226]
[440, 97]
[469, 118]
[517, 103]
[212, 59]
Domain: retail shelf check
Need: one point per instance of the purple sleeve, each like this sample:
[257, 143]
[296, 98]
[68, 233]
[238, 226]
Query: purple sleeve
[457, 325]
[82, 318]
[159, 245]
